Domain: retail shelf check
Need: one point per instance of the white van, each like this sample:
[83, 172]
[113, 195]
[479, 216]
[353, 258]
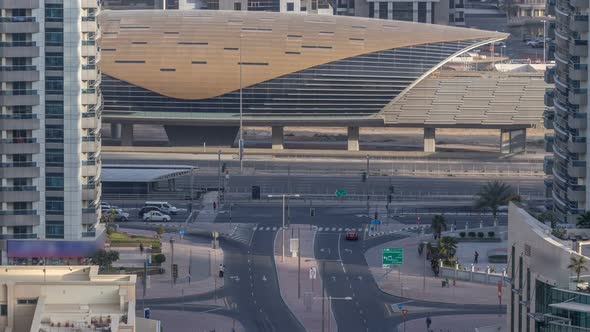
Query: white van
[164, 207]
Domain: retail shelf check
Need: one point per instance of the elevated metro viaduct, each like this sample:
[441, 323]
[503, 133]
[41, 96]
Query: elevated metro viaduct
[192, 72]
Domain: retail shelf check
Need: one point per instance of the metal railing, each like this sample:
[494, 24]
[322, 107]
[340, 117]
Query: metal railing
[18, 44]
[18, 236]
[18, 188]
[18, 164]
[17, 19]
[18, 68]
[18, 140]
[18, 212]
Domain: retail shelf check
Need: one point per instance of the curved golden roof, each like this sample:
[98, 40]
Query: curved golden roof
[195, 54]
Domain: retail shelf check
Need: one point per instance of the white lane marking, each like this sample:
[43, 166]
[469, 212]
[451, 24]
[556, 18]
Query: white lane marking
[333, 229]
[340, 255]
[268, 228]
[340, 229]
[274, 228]
[320, 229]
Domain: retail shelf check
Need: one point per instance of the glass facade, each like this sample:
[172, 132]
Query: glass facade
[559, 320]
[359, 85]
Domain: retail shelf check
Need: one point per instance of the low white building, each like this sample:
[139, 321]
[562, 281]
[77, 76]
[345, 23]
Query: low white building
[68, 298]
[543, 294]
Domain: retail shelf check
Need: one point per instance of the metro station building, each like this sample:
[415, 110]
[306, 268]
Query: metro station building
[192, 71]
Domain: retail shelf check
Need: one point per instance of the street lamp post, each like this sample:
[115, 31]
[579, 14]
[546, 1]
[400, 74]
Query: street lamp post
[424, 268]
[218, 175]
[241, 141]
[283, 196]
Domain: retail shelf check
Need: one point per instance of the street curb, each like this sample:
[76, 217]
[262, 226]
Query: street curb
[278, 280]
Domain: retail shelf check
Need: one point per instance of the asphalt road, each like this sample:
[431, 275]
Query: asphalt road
[251, 284]
[345, 273]
[251, 288]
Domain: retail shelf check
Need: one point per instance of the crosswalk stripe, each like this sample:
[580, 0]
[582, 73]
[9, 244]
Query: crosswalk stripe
[320, 229]
[268, 228]
[254, 228]
[333, 229]
[340, 229]
[274, 228]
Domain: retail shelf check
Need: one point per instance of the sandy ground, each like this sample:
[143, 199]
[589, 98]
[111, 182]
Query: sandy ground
[469, 139]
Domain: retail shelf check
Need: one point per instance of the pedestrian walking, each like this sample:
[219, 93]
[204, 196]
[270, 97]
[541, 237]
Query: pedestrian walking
[475, 257]
[214, 206]
[141, 248]
[428, 322]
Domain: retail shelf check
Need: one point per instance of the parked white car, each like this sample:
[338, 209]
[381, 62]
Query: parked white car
[156, 216]
[164, 206]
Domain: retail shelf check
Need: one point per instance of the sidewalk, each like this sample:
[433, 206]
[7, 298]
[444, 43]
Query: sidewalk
[455, 323]
[307, 310]
[204, 266]
[207, 214]
[411, 284]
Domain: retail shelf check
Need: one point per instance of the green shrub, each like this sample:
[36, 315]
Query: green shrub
[111, 230]
[480, 235]
[462, 234]
[158, 258]
[471, 234]
[156, 246]
[491, 234]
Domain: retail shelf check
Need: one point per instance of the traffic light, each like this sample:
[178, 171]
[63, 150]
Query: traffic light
[364, 176]
[175, 271]
[255, 192]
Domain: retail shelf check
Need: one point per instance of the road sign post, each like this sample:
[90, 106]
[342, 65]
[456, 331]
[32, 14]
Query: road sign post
[405, 316]
[392, 256]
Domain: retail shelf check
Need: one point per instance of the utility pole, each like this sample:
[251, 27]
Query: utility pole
[283, 233]
[172, 262]
[218, 175]
[283, 196]
[367, 187]
[299, 264]
[323, 296]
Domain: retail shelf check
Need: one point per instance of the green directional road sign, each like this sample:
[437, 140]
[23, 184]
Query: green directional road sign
[340, 193]
[393, 256]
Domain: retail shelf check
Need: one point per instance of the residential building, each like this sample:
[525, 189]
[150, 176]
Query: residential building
[49, 123]
[544, 294]
[567, 111]
[68, 298]
[527, 18]
[445, 12]
[294, 6]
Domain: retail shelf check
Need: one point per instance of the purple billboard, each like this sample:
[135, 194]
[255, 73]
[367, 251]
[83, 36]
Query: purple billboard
[51, 249]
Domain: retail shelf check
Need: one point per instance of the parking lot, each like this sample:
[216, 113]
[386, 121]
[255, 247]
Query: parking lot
[133, 208]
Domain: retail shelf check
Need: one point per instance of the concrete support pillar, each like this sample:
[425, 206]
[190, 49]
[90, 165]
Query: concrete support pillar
[353, 139]
[277, 137]
[127, 134]
[115, 130]
[429, 139]
[513, 140]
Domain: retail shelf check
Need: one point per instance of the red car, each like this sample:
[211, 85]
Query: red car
[352, 236]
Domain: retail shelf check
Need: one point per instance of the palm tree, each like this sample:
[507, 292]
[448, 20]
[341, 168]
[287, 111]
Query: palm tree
[577, 265]
[438, 225]
[447, 248]
[584, 220]
[493, 195]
